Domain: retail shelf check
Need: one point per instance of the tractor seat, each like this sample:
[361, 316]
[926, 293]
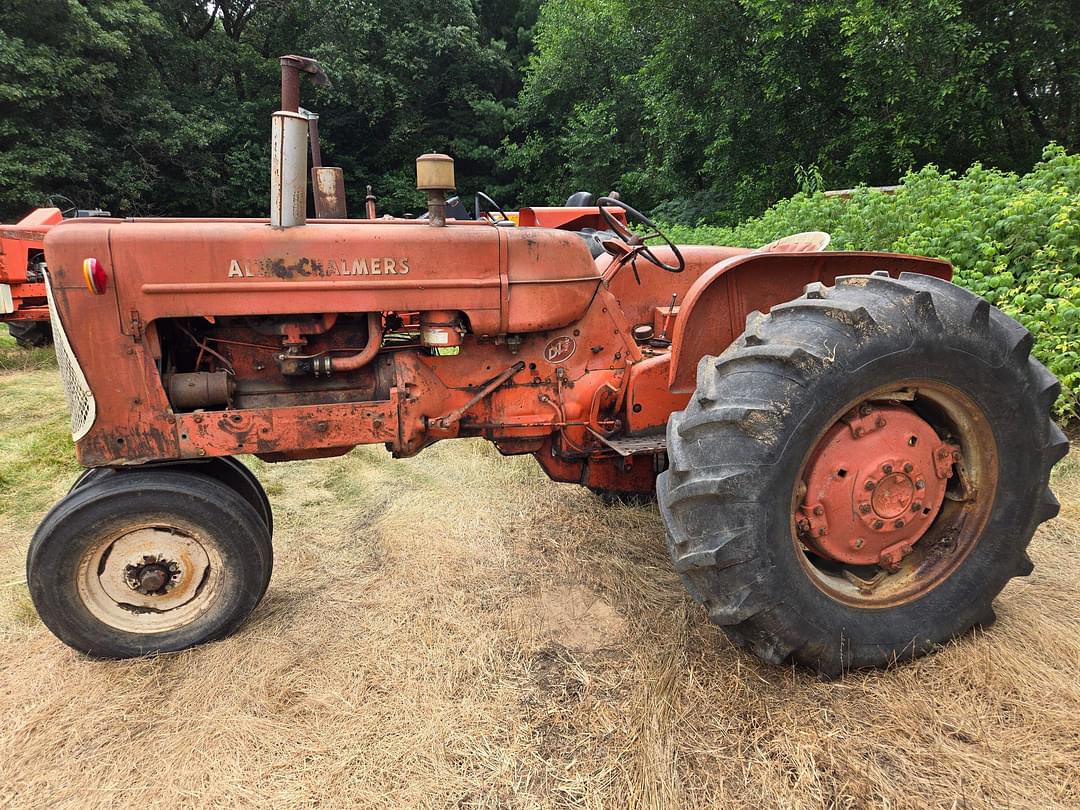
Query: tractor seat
[808, 242]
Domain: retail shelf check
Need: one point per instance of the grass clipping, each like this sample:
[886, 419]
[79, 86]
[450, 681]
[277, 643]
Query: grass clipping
[455, 630]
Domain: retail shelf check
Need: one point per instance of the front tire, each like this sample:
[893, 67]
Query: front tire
[747, 472]
[31, 334]
[147, 562]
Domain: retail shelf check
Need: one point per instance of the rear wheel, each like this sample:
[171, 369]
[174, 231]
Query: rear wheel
[858, 476]
[146, 562]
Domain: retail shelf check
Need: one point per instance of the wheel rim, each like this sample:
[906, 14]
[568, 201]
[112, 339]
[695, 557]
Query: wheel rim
[150, 579]
[895, 494]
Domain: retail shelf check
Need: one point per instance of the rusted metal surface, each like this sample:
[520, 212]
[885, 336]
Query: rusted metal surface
[328, 190]
[455, 415]
[288, 170]
[874, 486]
[291, 68]
[150, 578]
[891, 506]
[200, 389]
[321, 327]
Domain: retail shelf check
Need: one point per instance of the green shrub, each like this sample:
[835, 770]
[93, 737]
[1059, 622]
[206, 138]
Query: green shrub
[1015, 240]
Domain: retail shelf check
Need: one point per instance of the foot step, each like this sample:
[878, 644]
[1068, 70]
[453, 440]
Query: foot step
[633, 445]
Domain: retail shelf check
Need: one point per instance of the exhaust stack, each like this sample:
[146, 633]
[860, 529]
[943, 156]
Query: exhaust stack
[288, 169]
[289, 145]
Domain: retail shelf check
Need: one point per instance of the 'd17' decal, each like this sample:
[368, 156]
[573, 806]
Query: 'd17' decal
[560, 349]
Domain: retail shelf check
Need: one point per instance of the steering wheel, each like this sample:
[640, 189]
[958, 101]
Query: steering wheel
[69, 211]
[638, 242]
[491, 204]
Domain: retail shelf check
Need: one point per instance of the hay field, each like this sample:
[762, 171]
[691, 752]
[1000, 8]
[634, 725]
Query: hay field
[457, 631]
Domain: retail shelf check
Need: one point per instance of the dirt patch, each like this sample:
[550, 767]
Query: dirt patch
[578, 619]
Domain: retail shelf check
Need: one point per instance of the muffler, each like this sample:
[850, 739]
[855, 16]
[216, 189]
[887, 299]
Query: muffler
[289, 130]
[288, 169]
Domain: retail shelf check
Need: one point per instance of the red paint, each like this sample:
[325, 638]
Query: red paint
[873, 486]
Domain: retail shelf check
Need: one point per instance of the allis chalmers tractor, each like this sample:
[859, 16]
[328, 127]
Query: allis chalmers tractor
[850, 453]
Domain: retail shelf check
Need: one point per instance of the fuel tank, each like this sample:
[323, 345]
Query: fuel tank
[505, 280]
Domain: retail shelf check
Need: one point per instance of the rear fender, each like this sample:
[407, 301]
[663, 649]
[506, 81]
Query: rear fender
[713, 311]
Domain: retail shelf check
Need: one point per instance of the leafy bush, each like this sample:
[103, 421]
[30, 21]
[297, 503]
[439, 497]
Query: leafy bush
[1015, 240]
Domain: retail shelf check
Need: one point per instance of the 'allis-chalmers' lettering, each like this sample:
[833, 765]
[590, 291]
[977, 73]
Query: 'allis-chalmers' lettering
[277, 268]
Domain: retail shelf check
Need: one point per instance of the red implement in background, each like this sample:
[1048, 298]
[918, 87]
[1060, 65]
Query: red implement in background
[22, 265]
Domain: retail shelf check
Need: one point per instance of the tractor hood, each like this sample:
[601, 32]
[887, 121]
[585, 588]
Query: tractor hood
[505, 280]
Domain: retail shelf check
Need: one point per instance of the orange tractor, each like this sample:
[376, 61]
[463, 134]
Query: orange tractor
[850, 453]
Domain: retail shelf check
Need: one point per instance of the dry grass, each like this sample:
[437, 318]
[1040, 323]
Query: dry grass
[455, 630]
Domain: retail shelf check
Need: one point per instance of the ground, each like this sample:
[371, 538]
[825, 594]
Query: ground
[456, 630]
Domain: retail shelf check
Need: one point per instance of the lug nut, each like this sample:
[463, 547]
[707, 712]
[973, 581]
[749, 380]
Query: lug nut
[870, 484]
[821, 532]
[819, 510]
[878, 524]
[886, 468]
[866, 410]
[908, 468]
[864, 508]
[899, 524]
[915, 507]
[920, 484]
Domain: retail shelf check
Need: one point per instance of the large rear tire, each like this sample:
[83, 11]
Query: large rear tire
[834, 585]
[147, 562]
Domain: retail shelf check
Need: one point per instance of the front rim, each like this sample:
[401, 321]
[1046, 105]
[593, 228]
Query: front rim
[152, 578]
[894, 494]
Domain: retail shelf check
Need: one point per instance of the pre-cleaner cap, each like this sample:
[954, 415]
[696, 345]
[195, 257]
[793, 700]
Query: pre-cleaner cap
[435, 172]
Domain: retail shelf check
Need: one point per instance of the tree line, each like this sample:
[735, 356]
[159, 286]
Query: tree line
[697, 110]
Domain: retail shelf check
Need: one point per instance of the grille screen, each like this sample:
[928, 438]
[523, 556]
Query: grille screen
[79, 396]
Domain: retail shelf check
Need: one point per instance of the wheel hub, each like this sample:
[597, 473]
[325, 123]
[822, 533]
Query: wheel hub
[153, 576]
[874, 485]
[150, 568]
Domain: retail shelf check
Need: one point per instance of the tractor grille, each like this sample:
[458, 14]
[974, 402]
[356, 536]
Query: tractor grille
[79, 396]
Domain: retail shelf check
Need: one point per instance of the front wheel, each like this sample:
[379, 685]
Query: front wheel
[859, 475]
[30, 334]
[147, 562]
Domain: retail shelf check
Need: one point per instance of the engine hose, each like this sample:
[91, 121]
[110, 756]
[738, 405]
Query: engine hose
[374, 343]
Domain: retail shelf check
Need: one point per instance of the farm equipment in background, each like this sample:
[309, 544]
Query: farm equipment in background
[850, 453]
[23, 305]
